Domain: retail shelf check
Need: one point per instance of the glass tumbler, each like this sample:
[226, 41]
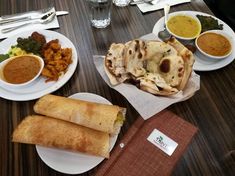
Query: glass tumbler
[100, 12]
[121, 3]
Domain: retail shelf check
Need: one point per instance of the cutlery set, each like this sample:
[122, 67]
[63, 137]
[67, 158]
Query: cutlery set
[38, 12]
[42, 16]
[43, 20]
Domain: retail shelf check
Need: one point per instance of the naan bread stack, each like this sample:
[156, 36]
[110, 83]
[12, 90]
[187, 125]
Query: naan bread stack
[156, 67]
[71, 124]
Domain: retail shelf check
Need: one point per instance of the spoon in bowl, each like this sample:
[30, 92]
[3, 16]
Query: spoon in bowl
[43, 20]
[164, 35]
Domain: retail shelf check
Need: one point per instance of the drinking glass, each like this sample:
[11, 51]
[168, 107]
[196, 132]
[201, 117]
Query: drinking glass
[121, 3]
[100, 12]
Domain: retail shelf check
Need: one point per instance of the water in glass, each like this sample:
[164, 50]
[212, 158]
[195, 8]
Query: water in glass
[121, 3]
[100, 12]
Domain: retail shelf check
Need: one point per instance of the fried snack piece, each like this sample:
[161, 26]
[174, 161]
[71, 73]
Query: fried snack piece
[51, 132]
[39, 38]
[56, 60]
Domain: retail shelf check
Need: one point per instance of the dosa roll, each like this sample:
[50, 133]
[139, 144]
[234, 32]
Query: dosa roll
[102, 117]
[51, 132]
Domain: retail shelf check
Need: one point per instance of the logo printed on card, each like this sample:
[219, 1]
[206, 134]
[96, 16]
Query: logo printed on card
[159, 141]
[162, 141]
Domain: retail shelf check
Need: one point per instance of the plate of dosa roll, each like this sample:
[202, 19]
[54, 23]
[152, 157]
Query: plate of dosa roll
[72, 135]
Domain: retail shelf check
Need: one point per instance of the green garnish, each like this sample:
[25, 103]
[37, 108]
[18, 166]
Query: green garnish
[209, 23]
[3, 57]
[29, 45]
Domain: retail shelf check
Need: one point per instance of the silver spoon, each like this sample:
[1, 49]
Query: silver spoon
[164, 35]
[43, 20]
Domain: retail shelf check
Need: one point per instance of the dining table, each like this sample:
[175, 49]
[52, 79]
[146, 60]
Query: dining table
[211, 109]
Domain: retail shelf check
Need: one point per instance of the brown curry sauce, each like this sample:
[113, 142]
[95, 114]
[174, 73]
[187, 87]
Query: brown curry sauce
[214, 44]
[21, 69]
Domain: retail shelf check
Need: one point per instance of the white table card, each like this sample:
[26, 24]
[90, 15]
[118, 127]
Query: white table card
[162, 141]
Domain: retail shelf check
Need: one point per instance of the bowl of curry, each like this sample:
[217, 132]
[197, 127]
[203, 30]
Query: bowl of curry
[184, 26]
[214, 44]
[20, 71]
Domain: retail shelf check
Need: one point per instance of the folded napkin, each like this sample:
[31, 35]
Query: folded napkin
[53, 24]
[136, 156]
[159, 4]
[145, 103]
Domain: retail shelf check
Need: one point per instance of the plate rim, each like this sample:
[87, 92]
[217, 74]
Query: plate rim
[16, 96]
[214, 65]
[114, 139]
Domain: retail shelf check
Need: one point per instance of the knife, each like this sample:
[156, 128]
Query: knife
[27, 18]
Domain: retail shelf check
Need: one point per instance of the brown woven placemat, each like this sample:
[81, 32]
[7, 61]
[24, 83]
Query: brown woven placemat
[135, 156]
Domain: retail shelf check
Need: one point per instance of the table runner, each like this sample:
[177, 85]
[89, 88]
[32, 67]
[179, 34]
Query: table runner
[135, 156]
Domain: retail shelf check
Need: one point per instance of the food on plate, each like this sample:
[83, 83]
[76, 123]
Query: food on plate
[32, 44]
[156, 67]
[214, 44]
[71, 124]
[21, 69]
[51, 132]
[56, 60]
[3, 57]
[102, 117]
[209, 23]
[184, 26]
[39, 38]
[16, 51]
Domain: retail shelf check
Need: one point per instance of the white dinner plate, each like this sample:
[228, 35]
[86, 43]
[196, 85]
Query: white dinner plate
[70, 162]
[202, 63]
[39, 87]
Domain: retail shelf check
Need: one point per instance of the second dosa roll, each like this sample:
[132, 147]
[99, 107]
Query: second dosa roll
[51, 132]
[102, 117]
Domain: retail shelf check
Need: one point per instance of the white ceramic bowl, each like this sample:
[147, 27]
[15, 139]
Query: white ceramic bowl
[4, 83]
[183, 37]
[210, 43]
